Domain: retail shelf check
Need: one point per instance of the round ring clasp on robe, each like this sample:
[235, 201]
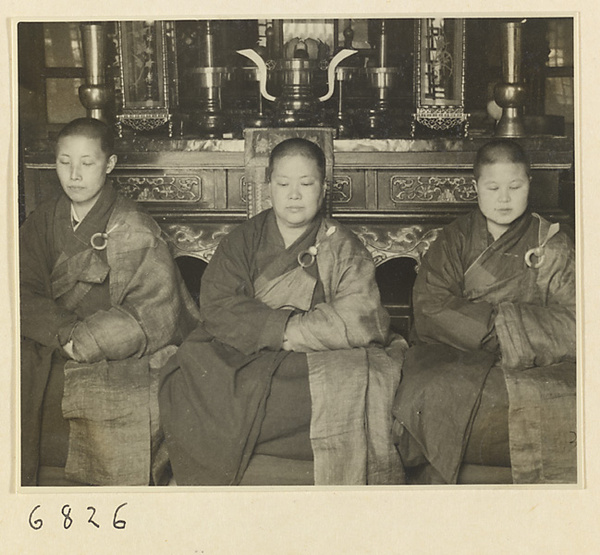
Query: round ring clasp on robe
[538, 253]
[99, 241]
[307, 257]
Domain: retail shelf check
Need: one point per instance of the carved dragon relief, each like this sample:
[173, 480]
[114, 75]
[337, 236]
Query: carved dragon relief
[197, 240]
[385, 244]
[201, 240]
[341, 189]
[413, 188]
[164, 188]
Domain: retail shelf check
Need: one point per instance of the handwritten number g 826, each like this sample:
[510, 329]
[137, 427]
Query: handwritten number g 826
[37, 523]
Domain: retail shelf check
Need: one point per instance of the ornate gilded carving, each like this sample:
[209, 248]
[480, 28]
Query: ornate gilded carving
[164, 188]
[416, 188]
[147, 85]
[439, 78]
[146, 122]
[440, 119]
[198, 240]
[201, 240]
[243, 189]
[341, 190]
[385, 244]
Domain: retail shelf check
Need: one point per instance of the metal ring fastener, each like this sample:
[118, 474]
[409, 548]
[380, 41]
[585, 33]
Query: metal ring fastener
[99, 241]
[538, 253]
[306, 258]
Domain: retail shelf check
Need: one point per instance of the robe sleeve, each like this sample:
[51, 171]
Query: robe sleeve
[353, 315]
[228, 308]
[441, 313]
[543, 334]
[41, 317]
[149, 311]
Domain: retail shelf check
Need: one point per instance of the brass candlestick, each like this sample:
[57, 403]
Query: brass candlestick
[510, 95]
[343, 121]
[94, 94]
[251, 77]
[382, 79]
[209, 120]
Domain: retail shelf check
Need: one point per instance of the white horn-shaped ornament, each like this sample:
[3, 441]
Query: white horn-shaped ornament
[262, 71]
[335, 61]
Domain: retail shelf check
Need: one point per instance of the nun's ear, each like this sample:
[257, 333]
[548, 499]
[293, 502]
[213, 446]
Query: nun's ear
[112, 162]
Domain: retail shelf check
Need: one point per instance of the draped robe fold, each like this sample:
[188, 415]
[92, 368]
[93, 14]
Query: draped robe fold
[477, 305]
[124, 308]
[215, 392]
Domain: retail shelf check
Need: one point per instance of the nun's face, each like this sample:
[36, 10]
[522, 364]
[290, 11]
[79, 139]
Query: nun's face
[297, 191]
[82, 167]
[502, 194]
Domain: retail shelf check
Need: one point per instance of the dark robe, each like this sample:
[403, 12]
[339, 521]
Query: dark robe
[478, 308]
[224, 395]
[120, 306]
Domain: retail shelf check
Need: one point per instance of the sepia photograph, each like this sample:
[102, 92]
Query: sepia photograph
[301, 279]
[280, 252]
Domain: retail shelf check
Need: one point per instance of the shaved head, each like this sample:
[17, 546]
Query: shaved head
[500, 150]
[297, 147]
[92, 129]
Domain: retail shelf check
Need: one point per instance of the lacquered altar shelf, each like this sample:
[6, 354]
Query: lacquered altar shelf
[542, 148]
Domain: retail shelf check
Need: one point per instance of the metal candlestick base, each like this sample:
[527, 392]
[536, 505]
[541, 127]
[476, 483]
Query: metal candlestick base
[382, 79]
[209, 121]
[250, 79]
[379, 124]
[510, 97]
[209, 124]
[258, 121]
[343, 123]
[344, 126]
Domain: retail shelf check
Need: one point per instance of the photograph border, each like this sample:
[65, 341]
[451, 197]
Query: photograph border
[336, 498]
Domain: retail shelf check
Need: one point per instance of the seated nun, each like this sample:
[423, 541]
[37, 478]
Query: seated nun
[491, 378]
[290, 360]
[102, 308]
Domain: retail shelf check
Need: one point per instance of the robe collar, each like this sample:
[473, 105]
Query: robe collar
[73, 241]
[288, 259]
[76, 260]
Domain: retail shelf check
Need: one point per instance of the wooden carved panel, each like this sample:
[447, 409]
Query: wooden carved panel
[197, 240]
[385, 243]
[163, 188]
[243, 189]
[417, 188]
[341, 189]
